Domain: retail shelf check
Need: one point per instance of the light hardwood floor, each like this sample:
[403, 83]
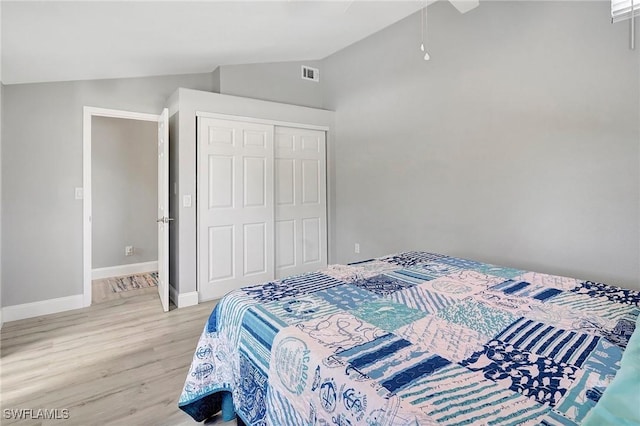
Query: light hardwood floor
[121, 362]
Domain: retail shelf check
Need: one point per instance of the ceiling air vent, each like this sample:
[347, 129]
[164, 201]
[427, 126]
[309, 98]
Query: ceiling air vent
[309, 73]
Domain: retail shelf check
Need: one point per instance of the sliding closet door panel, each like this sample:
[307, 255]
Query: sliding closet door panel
[255, 249]
[310, 181]
[235, 205]
[311, 143]
[284, 143]
[300, 186]
[285, 181]
[256, 138]
[255, 182]
[221, 180]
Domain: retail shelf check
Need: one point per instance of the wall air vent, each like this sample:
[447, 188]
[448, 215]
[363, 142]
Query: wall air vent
[309, 73]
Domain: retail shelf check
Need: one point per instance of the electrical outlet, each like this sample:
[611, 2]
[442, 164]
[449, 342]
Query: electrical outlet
[128, 251]
[356, 248]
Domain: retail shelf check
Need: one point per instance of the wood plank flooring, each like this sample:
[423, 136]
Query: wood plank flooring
[121, 362]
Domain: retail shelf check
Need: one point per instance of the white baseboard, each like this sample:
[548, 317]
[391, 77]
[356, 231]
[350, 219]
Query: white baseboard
[119, 270]
[187, 299]
[183, 300]
[43, 307]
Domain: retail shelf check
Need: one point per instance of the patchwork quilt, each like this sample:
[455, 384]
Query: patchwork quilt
[411, 339]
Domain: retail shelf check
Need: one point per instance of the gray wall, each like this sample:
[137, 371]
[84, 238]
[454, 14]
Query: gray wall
[215, 75]
[518, 143]
[278, 82]
[41, 165]
[124, 191]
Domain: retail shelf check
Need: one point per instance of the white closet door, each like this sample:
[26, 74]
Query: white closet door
[300, 197]
[235, 205]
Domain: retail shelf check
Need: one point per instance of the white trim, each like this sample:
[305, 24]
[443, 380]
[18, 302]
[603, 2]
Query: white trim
[260, 121]
[86, 205]
[115, 113]
[187, 299]
[87, 114]
[120, 270]
[43, 307]
[182, 300]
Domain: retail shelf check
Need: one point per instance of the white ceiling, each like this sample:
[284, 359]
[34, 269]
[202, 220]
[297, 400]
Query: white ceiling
[80, 40]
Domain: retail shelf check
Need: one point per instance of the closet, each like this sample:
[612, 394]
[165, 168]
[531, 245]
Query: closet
[261, 202]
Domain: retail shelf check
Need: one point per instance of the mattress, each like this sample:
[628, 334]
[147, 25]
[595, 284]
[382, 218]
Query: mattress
[411, 339]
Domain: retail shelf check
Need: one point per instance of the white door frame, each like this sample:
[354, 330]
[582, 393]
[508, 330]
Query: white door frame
[88, 114]
[260, 121]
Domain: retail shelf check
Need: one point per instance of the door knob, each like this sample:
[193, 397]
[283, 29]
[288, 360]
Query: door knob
[164, 219]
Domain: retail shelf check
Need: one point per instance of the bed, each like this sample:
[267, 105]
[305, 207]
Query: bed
[412, 339]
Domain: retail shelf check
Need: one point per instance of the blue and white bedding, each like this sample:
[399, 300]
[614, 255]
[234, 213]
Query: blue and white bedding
[411, 339]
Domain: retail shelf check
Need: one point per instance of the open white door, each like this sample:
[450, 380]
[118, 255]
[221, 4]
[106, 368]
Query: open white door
[163, 208]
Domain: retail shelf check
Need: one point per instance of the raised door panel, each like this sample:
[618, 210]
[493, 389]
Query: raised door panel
[221, 252]
[255, 248]
[311, 244]
[310, 181]
[255, 181]
[221, 181]
[285, 244]
[255, 138]
[285, 181]
[284, 143]
[310, 143]
[221, 135]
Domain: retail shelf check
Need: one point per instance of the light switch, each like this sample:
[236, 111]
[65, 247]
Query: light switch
[186, 201]
[79, 193]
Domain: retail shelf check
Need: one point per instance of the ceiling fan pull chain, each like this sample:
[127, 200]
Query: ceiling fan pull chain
[425, 31]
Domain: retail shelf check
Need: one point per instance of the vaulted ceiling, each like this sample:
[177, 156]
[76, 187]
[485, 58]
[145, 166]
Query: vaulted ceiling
[79, 40]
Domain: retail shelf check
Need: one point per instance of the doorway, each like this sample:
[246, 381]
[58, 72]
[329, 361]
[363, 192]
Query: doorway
[125, 185]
